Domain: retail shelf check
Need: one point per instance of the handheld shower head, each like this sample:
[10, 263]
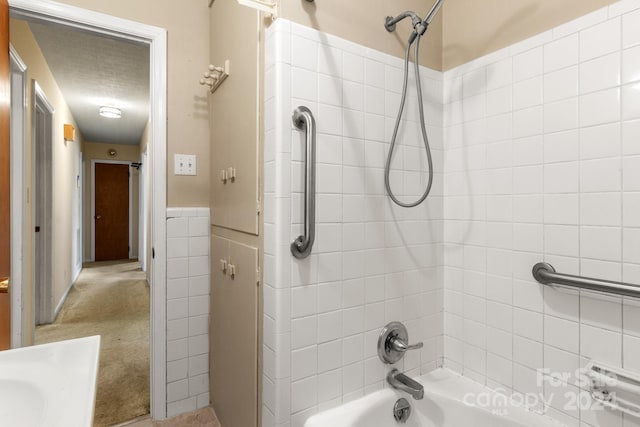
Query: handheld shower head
[419, 28]
[434, 10]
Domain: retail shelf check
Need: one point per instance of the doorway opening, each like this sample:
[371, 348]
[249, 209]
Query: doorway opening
[155, 39]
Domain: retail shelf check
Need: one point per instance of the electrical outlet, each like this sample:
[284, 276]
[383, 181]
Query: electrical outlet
[184, 164]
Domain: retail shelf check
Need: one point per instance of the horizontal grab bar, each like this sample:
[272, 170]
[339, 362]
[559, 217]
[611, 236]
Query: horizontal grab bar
[545, 273]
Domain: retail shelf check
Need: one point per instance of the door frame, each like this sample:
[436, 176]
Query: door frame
[142, 211]
[156, 38]
[93, 204]
[18, 135]
[42, 163]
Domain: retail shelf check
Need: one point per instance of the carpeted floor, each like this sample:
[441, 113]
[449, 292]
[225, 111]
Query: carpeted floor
[111, 299]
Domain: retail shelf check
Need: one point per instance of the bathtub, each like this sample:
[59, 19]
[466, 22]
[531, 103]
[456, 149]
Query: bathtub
[449, 401]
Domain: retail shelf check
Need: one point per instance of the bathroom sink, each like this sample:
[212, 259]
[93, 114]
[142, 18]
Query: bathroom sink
[50, 384]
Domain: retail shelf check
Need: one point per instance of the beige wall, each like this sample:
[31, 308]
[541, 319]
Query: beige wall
[464, 29]
[65, 170]
[125, 153]
[362, 21]
[187, 25]
[473, 28]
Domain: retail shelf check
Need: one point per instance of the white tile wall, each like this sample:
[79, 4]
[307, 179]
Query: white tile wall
[554, 179]
[537, 158]
[372, 262]
[188, 289]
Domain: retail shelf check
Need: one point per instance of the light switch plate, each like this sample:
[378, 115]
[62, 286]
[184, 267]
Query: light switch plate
[184, 164]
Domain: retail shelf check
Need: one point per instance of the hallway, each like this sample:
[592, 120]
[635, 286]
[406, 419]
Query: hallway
[111, 299]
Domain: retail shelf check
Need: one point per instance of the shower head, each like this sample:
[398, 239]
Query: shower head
[434, 10]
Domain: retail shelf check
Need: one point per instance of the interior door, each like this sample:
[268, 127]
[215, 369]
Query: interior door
[111, 211]
[5, 189]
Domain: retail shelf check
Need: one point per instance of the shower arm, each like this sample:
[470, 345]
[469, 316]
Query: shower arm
[390, 22]
[419, 25]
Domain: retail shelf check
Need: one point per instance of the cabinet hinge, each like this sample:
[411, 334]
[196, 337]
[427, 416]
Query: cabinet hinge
[258, 208]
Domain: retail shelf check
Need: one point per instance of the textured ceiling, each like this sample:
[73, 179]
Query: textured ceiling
[93, 70]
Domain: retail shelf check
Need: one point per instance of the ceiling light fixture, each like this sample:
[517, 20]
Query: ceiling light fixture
[110, 112]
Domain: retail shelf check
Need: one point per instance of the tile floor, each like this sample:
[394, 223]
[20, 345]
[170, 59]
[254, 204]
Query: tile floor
[201, 418]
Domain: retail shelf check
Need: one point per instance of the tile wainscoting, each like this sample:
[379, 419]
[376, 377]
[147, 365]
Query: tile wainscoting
[188, 290]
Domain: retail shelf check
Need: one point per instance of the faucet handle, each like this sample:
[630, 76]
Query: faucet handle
[399, 345]
[393, 343]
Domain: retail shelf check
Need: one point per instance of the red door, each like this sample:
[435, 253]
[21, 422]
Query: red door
[5, 194]
[111, 211]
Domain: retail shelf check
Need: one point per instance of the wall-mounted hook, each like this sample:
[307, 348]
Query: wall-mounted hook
[231, 173]
[215, 76]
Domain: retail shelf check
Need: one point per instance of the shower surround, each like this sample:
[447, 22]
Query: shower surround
[537, 158]
[542, 163]
[372, 262]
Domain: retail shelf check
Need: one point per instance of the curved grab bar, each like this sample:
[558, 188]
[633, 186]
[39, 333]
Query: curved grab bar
[303, 120]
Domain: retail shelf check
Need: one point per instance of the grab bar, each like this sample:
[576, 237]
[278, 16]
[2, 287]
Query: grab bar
[545, 273]
[605, 381]
[303, 120]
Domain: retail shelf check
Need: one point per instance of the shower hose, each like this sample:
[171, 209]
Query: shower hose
[423, 128]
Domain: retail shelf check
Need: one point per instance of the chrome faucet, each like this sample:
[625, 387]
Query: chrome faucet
[400, 381]
[393, 343]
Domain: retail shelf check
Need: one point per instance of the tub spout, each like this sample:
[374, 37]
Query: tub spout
[400, 381]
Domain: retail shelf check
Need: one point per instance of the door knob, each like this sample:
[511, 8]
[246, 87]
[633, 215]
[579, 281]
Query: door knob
[98, 216]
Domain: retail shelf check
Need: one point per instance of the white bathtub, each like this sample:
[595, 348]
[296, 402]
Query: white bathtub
[449, 401]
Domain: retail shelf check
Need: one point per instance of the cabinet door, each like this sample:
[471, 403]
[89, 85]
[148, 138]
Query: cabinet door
[234, 334]
[235, 110]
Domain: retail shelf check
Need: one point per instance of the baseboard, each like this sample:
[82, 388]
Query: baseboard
[135, 421]
[66, 294]
[76, 273]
